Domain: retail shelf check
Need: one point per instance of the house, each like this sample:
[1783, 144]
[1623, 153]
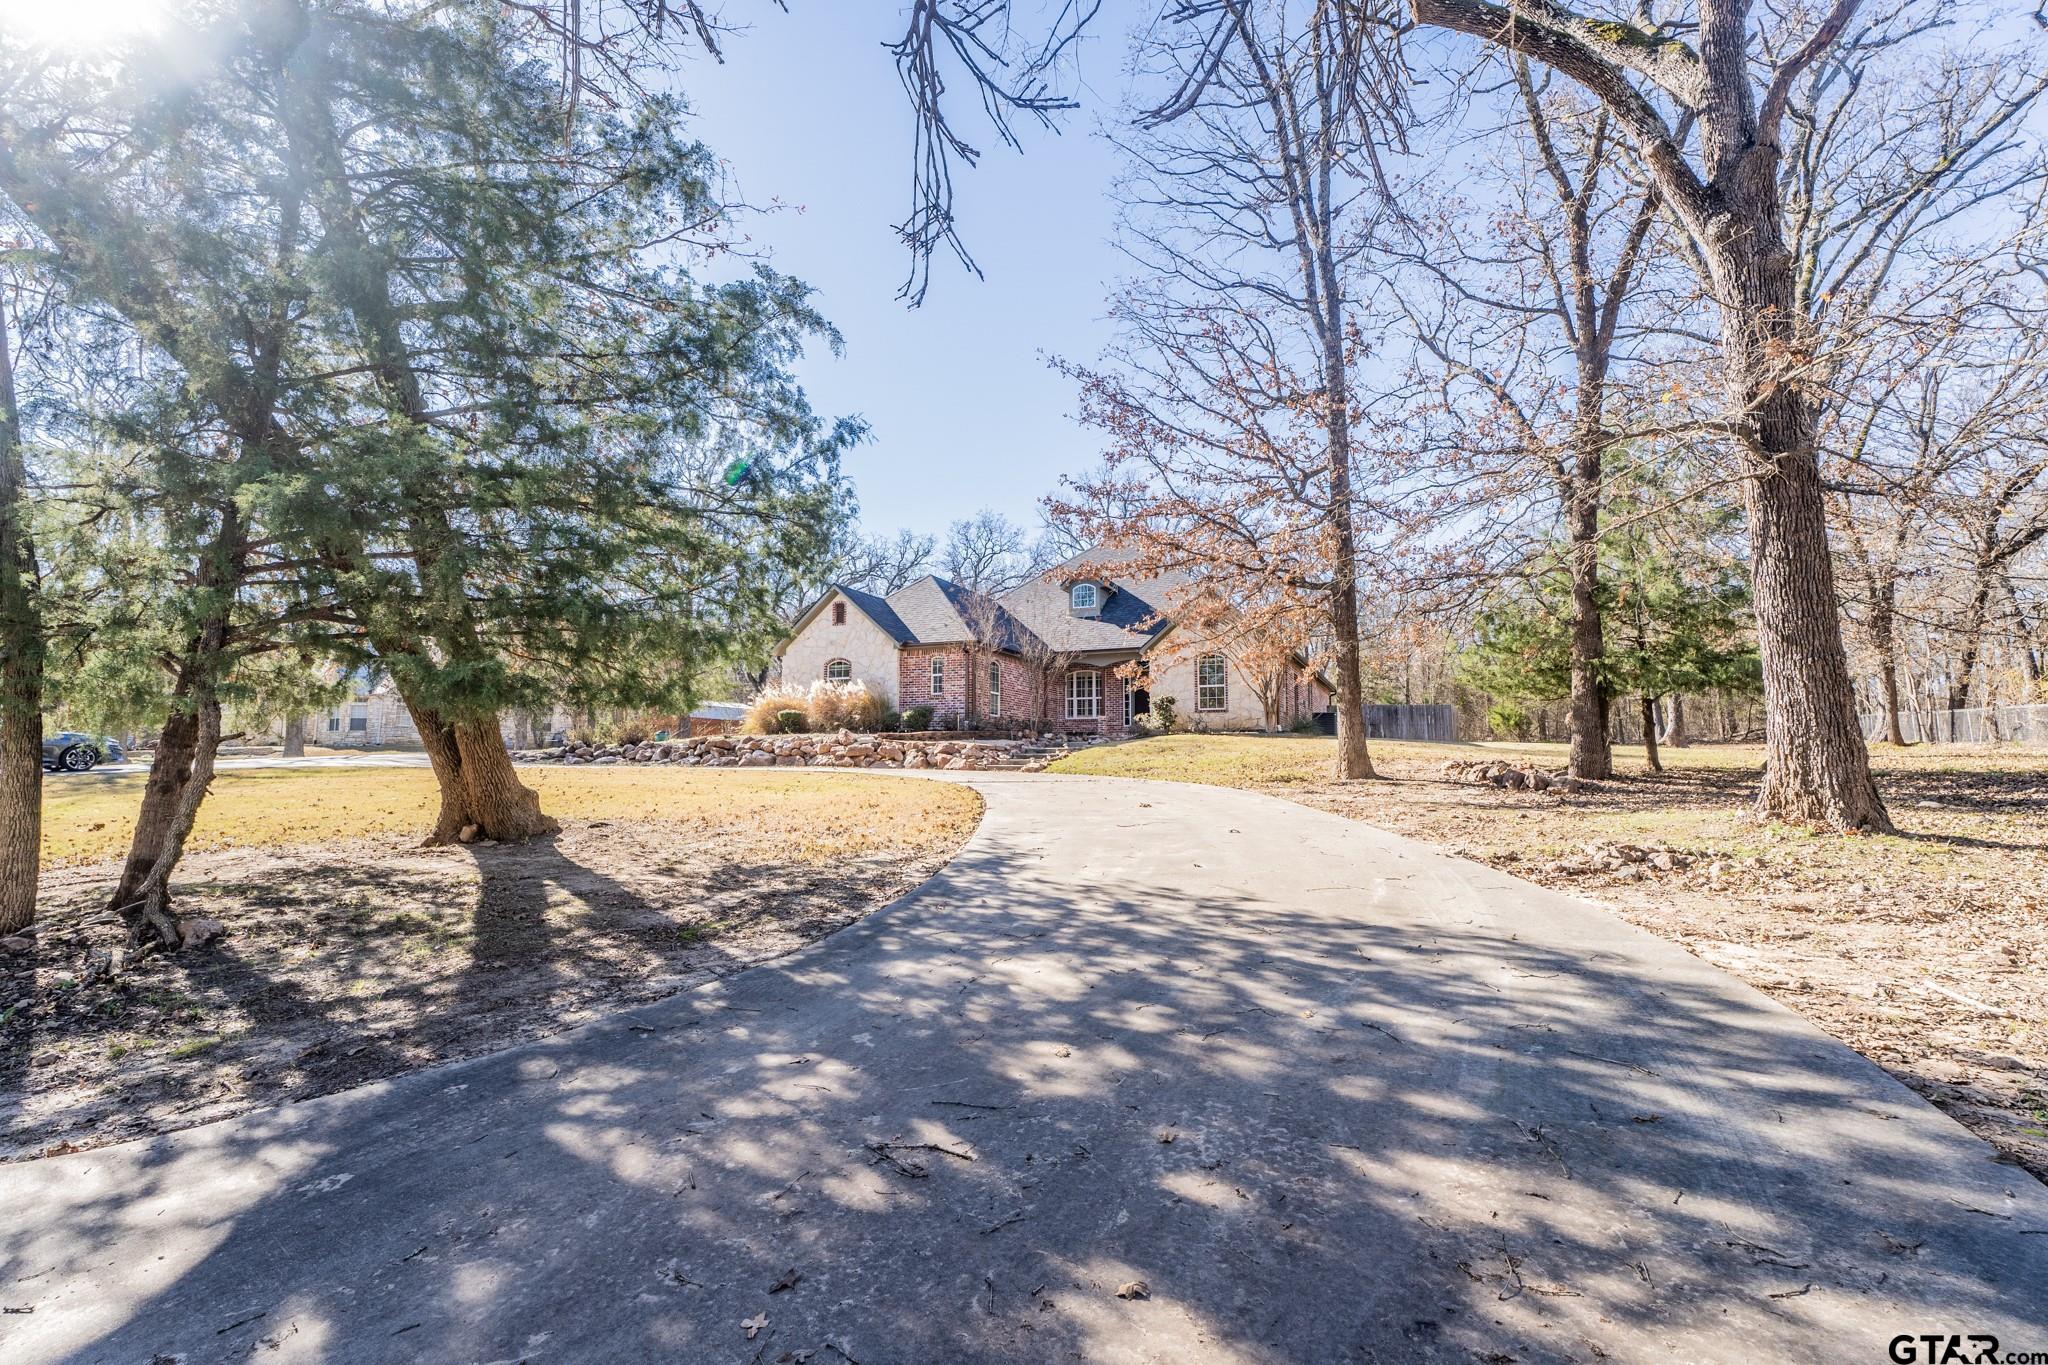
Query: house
[1083, 649]
[373, 716]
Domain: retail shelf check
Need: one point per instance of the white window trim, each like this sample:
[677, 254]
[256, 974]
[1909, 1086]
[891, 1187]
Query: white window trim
[1222, 688]
[1074, 596]
[995, 690]
[1093, 700]
[831, 664]
[938, 675]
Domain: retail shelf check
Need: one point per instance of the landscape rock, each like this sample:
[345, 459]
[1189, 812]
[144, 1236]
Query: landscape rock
[197, 933]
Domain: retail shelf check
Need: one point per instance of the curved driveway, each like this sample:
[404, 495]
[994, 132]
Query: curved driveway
[1332, 1095]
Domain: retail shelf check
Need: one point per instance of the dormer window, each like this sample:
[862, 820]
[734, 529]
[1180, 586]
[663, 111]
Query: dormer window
[1082, 596]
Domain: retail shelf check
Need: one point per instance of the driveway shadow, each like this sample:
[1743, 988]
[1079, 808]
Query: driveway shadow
[1325, 1095]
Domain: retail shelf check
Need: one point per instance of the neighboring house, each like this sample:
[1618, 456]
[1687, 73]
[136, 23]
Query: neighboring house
[1082, 649]
[716, 718]
[373, 716]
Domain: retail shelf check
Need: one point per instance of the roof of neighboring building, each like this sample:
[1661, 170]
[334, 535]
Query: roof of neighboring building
[719, 710]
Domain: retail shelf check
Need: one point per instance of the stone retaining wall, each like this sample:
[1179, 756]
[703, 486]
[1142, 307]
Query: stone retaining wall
[841, 750]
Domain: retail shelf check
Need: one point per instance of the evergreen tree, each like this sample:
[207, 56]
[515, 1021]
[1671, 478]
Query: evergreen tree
[441, 393]
[1676, 604]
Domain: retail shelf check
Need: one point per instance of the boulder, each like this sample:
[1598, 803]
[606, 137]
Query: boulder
[197, 933]
[758, 759]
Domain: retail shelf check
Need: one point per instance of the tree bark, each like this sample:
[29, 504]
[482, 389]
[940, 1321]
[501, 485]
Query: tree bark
[149, 912]
[481, 794]
[295, 737]
[21, 672]
[1649, 707]
[1592, 753]
[1674, 730]
[1974, 618]
[1816, 768]
[170, 769]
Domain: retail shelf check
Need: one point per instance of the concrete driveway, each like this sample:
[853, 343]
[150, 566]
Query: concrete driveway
[1328, 1094]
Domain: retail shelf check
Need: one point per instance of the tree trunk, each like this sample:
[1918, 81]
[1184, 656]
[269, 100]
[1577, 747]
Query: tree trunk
[149, 912]
[1592, 754]
[2030, 655]
[1675, 735]
[295, 737]
[21, 673]
[1816, 766]
[1884, 635]
[170, 769]
[1974, 618]
[481, 794]
[1649, 705]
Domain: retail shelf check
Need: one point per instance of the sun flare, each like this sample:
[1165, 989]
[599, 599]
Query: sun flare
[78, 23]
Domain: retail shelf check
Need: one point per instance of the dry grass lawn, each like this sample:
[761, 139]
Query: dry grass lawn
[351, 953]
[1926, 950]
[89, 819]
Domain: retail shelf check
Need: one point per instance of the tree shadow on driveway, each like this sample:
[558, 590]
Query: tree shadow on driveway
[1335, 1098]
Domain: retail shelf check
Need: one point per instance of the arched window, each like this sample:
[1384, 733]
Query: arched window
[1082, 595]
[839, 613]
[839, 670]
[1212, 683]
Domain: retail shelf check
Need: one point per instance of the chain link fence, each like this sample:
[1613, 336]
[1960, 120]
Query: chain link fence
[1970, 725]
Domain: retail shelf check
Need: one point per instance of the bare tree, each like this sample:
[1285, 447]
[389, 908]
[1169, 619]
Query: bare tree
[1535, 318]
[882, 564]
[988, 553]
[614, 51]
[1254, 194]
[1725, 197]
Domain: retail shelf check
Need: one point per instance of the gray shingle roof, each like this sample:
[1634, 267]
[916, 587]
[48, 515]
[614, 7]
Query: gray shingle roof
[935, 610]
[879, 610]
[1135, 612]
[939, 611]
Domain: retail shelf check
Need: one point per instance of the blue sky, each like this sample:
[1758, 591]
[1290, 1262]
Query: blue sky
[807, 112]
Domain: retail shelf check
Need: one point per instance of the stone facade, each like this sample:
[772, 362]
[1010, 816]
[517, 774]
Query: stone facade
[842, 630]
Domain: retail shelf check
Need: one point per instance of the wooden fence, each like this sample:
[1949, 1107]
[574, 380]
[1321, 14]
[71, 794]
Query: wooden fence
[1411, 722]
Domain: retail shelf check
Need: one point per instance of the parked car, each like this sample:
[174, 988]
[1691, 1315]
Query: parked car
[68, 751]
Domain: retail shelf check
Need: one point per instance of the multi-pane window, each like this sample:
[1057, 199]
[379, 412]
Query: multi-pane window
[1084, 696]
[938, 674]
[995, 688]
[839, 670]
[359, 717]
[1083, 596]
[1212, 686]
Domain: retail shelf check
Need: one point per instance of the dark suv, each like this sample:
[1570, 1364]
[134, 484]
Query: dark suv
[68, 751]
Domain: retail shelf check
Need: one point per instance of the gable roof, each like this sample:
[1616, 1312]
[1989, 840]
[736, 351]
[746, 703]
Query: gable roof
[938, 611]
[876, 609]
[1133, 615]
[930, 611]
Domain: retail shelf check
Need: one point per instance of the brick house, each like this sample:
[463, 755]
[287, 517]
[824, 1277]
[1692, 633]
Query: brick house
[1082, 650]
